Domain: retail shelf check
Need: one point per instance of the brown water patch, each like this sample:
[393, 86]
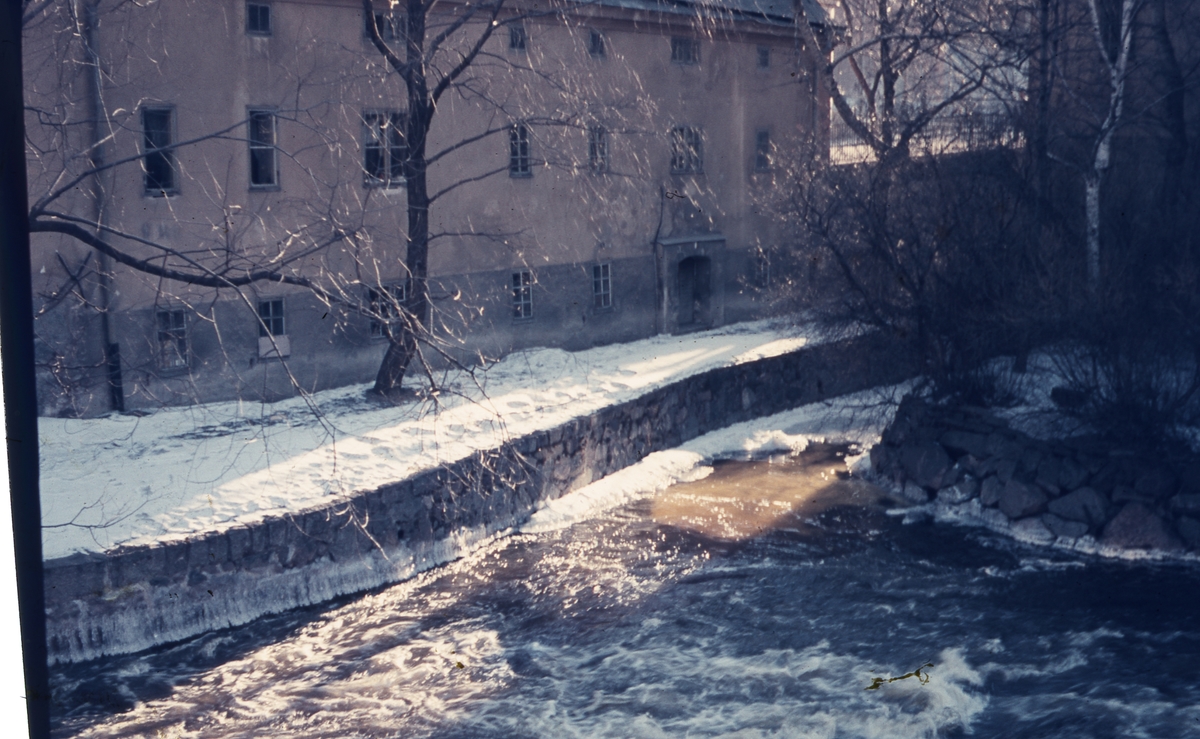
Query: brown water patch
[740, 500]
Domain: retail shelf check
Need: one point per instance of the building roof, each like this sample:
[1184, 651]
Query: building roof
[771, 11]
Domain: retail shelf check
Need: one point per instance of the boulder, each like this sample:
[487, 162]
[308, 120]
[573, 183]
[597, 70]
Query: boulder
[1019, 500]
[1084, 505]
[959, 443]
[1189, 530]
[914, 493]
[1126, 494]
[1071, 474]
[883, 458]
[1186, 503]
[978, 467]
[1189, 479]
[1005, 469]
[1139, 527]
[1062, 527]
[1048, 473]
[989, 491]
[1155, 484]
[1030, 458]
[925, 463]
[1032, 530]
[959, 492]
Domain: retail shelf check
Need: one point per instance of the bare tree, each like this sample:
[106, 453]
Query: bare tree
[899, 72]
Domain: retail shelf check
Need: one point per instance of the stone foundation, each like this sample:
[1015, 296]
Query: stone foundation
[1075, 492]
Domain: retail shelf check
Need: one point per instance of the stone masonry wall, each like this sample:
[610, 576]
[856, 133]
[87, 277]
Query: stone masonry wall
[132, 598]
[1074, 491]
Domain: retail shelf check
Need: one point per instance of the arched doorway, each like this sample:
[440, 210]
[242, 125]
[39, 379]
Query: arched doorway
[694, 289]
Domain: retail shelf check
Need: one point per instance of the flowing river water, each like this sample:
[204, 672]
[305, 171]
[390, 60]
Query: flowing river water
[761, 601]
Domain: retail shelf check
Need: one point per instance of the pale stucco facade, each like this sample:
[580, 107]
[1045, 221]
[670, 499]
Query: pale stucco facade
[618, 254]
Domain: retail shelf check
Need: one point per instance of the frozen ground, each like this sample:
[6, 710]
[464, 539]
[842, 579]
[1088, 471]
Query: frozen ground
[128, 479]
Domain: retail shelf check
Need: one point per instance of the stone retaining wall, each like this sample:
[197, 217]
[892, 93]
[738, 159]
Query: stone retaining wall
[1075, 492]
[132, 598]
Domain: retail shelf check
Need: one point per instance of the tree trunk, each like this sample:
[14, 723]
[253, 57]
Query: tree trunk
[1092, 198]
[403, 336]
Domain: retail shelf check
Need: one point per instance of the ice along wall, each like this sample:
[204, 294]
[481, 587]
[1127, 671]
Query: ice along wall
[132, 598]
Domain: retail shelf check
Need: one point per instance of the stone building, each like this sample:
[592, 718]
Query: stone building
[597, 173]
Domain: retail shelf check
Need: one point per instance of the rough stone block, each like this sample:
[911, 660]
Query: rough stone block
[1019, 500]
[1155, 484]
[1189, 531]
[989, 491]
[1062, 527]
[914, 493]
[1032, 530]
[1071, 474]
[959, 492]
[1084, 505]
[1186, 503]
[1048, 472]
[964, 442]
[1005, 469]
[925, 463]
[1139, 527]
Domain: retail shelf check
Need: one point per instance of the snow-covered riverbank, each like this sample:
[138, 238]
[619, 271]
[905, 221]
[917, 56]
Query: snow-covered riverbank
[126, 479]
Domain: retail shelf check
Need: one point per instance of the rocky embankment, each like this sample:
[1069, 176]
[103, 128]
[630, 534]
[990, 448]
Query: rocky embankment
[1074, 492]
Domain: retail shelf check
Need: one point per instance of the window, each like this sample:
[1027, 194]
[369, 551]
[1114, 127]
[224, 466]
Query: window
[158, 161]
[518, 40]
[522, 294]
[762, 150]
[602, 286]
[687, 155]
[685, 50]
[172, 339]
[258, 19]
[384, 305]
[270, 318]
[597, 149]
[384, 149]
[391, 27]
[519, 164]
[263, 171]
[595, 43]
[764, 57]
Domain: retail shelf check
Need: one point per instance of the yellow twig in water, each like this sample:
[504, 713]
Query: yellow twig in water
[877, 681]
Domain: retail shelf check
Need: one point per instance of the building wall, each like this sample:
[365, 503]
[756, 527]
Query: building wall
[320, 73]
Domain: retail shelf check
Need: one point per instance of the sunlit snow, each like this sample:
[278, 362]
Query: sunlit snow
[127, 479]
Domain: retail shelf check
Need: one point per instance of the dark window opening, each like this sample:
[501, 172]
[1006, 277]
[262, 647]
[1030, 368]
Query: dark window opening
[384, 149]
[384, 306]
[518, 40]
[172, 339]
[764, 57]
[270, 318]
[158, 160]
[597, 149]
[258, 19]
[522, 294]
[519, 163]
[263, 169]
[595, 43]
[762, 150]
[687, 150]
[685, 50]
[391, 27]
[602, 286]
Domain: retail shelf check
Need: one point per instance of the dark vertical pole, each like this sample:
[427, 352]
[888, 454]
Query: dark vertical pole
[16, 328]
